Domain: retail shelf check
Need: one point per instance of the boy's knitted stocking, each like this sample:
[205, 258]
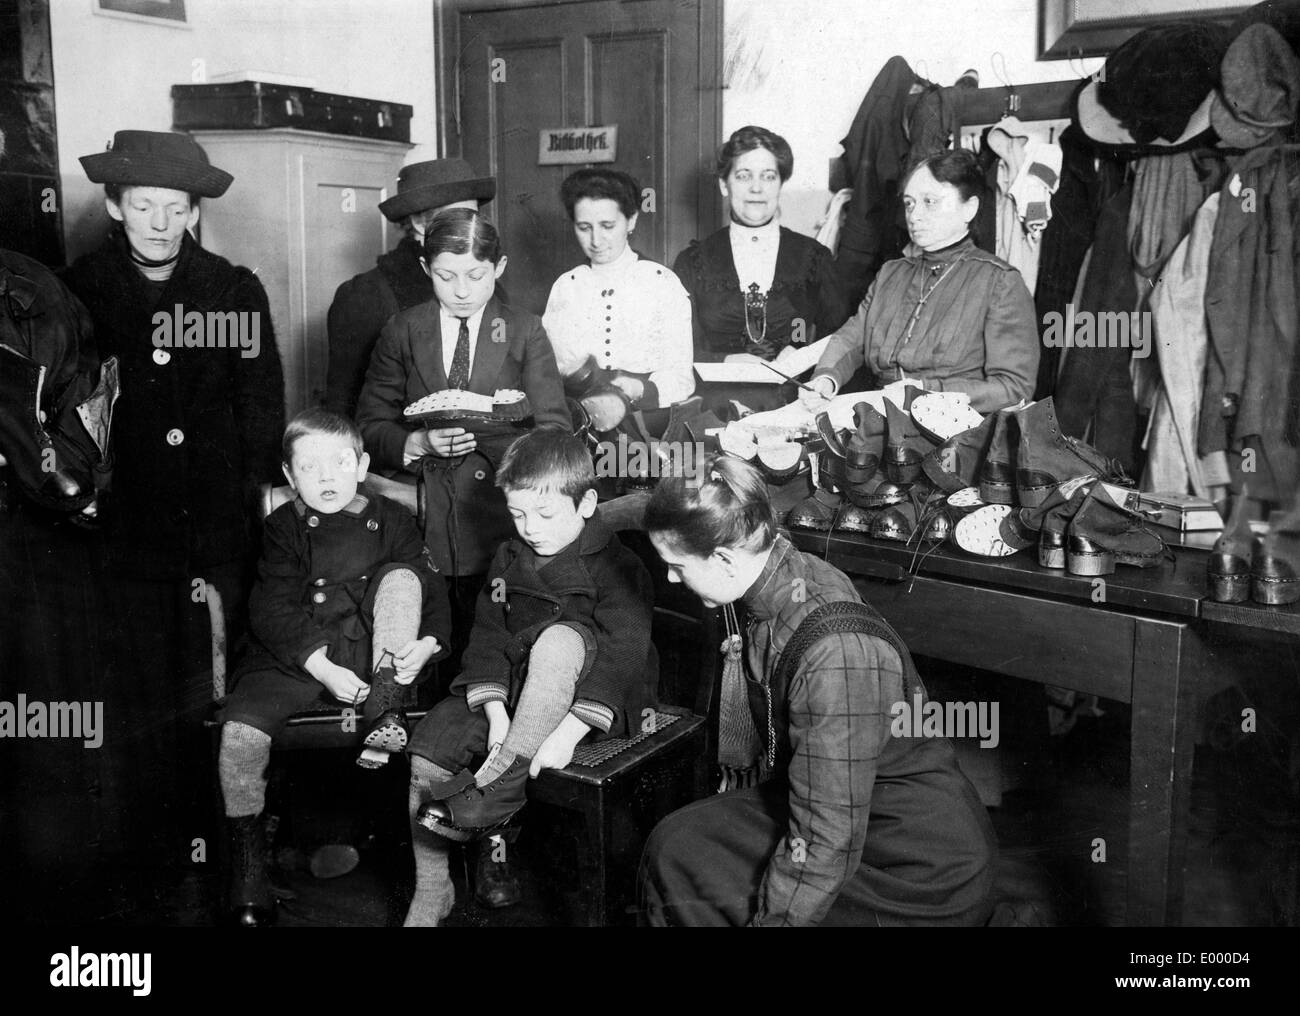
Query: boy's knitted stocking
[434, 893]
[557, 658]
[245, 754]
[396, 622]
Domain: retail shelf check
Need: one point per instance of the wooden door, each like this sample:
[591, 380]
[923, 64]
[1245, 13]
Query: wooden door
[650, 67]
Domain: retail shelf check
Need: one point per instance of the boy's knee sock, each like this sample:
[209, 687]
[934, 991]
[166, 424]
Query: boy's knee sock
[396, 622]
[434, 893]
[556, 660]
[397, 612]
[245, 754]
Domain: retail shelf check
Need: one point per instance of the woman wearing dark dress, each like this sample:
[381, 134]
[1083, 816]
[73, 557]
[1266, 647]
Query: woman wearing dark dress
[756, 287]
[195, 432]
[835, 815]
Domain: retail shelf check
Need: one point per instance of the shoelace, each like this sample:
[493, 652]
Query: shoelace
[931, 507]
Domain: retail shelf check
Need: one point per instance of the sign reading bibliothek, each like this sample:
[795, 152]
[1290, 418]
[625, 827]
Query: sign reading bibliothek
[562, 146]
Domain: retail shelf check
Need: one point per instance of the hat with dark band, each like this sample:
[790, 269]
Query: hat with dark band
[1154, 93]
[157, 159]
[433, 184]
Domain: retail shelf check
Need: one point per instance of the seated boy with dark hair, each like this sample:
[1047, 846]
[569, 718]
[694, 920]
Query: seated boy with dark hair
[345, 592]
[560, 647]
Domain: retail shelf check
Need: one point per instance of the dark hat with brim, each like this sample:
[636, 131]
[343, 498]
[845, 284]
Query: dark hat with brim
[435, 184]
[1260, 91]
[1154, 94]
[157, 159]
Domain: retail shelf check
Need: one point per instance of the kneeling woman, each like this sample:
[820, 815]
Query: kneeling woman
[848, 824]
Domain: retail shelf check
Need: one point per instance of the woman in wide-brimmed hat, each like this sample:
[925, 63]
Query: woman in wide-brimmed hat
[363, 303]
[197, 428]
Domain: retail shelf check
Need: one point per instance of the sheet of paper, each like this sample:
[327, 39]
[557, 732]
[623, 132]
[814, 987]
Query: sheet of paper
[800, 360]
[737, 373]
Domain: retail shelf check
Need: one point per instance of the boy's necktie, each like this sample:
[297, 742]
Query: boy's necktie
[458, 377]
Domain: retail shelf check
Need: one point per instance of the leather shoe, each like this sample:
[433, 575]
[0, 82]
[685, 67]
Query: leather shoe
[1102, 534]
[478, 810]
[816, 512]
[251, 901]
[495, 884]
[1229, 568]
[1275, 561]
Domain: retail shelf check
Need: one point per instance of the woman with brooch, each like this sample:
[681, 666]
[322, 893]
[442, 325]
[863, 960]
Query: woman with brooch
[756, 287]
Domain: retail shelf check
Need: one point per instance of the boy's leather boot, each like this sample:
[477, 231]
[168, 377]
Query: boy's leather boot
[831, 437]
[386, 730]
[956, 463]
[1275, 562]
[914, 517]
[495, 883]
[817, 512]
[252, 904]
[1102, 534]
[878, 492]
[866, 444]
[1046, 458]
[998, 473]
[1053, 517]
[853, 519]
[477, 810]
[906, 447]
[821, 509]
[897, 522]
[1023, 527]
[40, 470]
[1228, 569]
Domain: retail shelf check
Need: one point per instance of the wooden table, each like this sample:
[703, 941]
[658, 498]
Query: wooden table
[1140, 636]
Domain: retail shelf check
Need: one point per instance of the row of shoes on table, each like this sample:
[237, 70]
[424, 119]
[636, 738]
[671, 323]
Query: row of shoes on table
[926, 471]
[1260, 566]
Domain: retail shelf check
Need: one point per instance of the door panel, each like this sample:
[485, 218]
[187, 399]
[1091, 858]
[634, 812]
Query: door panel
[650, 67]
[644, 152]
[526, 209]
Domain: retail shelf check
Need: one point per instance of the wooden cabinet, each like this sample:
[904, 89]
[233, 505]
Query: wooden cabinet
[303, 214]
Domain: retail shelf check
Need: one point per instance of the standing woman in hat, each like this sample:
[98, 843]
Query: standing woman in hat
[363, 303]
[197, 430]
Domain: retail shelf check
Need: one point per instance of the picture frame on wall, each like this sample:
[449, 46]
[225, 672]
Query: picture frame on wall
[158, 12]
[1078, 28]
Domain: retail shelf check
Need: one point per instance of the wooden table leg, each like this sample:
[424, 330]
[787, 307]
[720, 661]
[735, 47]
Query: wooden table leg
[1166, 664]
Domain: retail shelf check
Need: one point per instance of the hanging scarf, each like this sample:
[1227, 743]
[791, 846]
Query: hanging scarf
[739, 743]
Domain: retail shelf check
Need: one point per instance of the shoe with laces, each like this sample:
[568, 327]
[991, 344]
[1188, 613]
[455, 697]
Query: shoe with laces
[386, 731]
[1046, 458]
[475, 811]
[1103, 534]
[495, 884]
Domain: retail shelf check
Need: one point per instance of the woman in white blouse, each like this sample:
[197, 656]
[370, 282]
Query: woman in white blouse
[631, 315]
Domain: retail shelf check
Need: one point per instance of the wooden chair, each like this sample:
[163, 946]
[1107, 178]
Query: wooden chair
[616, 789]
